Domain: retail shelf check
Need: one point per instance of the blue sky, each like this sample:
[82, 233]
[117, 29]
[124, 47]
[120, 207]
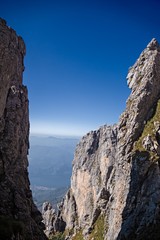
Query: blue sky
[78, 55]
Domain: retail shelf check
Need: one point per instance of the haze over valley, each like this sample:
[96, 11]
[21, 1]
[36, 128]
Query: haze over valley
[50, 167]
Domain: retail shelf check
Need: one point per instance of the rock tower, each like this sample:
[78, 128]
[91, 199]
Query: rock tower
[19, 217]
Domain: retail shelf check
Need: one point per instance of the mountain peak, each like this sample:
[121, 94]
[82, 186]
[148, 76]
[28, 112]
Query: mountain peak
[153, 44]
[144, 66]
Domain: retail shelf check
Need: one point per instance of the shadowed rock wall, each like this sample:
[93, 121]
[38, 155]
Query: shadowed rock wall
[19, 217]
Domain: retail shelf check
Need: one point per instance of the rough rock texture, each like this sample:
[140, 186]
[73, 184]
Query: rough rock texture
[19, 218]
[49, 216]
[116, 170]
[134, 174]
[91, 178]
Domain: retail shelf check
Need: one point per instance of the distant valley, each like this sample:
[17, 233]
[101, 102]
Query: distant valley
[50, 166]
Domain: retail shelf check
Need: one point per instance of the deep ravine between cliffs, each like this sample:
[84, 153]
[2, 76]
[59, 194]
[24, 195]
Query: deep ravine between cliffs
[115, 183]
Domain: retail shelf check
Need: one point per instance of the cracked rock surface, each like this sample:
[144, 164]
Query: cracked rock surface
[16, 203]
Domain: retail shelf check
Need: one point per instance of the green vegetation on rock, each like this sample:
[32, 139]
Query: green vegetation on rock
[148, 129]
[61, 236]
[98, 229]
[78, 236]
[58, 236]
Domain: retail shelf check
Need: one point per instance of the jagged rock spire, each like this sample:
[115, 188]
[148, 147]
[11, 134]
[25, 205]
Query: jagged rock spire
[153, 44]
[143, 65]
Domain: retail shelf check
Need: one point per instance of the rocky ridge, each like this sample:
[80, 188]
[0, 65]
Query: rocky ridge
[19, 217]
[115, 184]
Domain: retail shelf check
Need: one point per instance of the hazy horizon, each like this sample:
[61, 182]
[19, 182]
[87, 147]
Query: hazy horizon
[48, 135]
[46, 129]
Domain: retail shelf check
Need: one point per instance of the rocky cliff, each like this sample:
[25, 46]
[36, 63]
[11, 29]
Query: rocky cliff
[19, 218]
[115, 184]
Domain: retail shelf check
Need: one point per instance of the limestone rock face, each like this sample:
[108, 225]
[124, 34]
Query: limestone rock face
[49, 216]
[141, 107]
[93, 170]
[17, 209]
[116, 169]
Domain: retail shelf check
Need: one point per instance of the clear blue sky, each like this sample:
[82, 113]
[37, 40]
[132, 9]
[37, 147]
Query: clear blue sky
[78, 55]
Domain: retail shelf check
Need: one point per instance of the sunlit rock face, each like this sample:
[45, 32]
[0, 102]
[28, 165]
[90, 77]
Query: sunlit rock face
[93, 170]
[115, 184]
[17, 209]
